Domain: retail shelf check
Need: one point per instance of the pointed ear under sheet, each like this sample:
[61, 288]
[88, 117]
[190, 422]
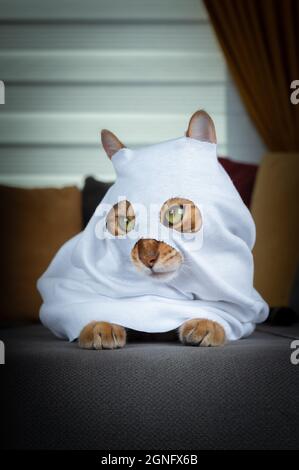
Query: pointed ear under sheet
[201, 127]
[110, 143]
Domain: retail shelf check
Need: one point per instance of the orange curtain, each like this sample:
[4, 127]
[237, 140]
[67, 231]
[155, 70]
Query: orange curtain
[260, 41]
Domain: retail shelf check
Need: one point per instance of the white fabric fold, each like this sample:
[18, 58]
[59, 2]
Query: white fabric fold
[92, 276]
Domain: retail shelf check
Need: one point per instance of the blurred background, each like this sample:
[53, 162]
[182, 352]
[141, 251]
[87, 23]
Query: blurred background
[139, 68]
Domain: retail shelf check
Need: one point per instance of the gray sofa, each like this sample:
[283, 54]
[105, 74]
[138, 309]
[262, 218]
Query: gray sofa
[153, 394]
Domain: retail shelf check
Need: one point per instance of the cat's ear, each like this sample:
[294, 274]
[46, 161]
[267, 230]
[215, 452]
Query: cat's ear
[110, 143]
[201, 127]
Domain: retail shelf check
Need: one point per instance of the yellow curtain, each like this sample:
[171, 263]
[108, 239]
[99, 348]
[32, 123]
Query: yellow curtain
[261, 44]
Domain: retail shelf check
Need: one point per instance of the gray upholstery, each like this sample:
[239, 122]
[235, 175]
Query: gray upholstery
[150, 395]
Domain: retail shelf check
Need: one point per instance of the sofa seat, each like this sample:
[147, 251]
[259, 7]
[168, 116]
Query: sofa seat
[150, 395]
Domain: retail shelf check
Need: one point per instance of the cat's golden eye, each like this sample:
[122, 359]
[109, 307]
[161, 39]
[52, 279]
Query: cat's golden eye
[121, 218]
[181, 214]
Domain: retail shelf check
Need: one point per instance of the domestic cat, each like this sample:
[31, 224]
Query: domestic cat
[168, 248]
[157, 258]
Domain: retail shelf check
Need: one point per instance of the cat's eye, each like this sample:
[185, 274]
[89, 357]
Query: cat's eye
[121, 218]
[181, 214]
[126, 223]
[174, 215]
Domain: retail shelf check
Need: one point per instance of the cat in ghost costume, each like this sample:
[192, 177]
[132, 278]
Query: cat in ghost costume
[168, 247]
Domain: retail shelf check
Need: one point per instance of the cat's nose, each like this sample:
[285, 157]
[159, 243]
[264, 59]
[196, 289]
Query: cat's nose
[148, 251]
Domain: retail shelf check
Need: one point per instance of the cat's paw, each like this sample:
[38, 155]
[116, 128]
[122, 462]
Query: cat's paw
[102, 335]
[202, 332]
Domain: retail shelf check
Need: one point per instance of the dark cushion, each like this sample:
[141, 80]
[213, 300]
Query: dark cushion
[242, 175]
[149, 395]
[92, 194]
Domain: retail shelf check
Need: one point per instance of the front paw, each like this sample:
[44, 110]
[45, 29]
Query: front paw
[102, 335]
[201, 332]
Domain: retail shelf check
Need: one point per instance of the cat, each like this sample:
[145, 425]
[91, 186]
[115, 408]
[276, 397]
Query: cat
[156, 258]
[169, 247]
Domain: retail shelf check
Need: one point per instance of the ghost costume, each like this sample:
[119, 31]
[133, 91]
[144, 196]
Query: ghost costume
[92, 276]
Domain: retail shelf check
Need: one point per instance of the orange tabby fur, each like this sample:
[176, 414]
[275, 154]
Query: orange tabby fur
[148, 254]
[201, 332]
[102, 335]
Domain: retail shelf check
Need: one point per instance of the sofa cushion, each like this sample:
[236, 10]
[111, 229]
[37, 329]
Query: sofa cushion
[275, 211]
[35, 223]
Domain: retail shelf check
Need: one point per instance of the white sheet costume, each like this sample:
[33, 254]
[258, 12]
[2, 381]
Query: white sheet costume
[92, 276]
